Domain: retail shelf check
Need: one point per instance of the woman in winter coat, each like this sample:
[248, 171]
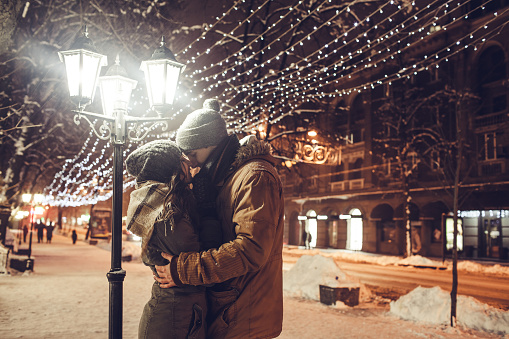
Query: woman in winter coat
[162, 211]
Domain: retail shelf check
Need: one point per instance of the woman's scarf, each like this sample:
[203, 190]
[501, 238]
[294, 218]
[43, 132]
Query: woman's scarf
[145, 206]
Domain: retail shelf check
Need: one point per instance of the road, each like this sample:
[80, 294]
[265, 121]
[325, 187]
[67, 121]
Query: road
[393, 281]
[491, 290]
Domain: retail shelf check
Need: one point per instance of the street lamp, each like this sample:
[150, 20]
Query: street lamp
[31, 199]
[160, 73]
[83, 66]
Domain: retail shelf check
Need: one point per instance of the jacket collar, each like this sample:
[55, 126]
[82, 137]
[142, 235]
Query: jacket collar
[252, 148]
[231, 154]
[221, 158]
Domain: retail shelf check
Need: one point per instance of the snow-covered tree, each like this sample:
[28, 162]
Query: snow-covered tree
[424, 132]
[37, 131]
[418, 137]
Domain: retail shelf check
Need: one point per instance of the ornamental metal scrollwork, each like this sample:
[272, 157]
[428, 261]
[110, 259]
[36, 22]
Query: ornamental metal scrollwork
[135, 132]
[317, 154]
[104, 132]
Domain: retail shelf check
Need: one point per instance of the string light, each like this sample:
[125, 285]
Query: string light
[312, 75]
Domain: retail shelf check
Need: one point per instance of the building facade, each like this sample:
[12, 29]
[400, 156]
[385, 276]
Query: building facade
[390, 179]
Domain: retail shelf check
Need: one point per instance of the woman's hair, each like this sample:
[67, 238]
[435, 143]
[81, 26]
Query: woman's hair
[179, 202]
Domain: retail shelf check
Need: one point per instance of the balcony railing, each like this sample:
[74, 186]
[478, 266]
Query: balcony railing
[492, 168]
[490, 120]
[347, 185]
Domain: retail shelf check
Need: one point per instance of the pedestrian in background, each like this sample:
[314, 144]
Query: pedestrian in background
[49, 232]
[309, 237]
[40, 231]
[74, 237]
[305, 239]
[25, 232]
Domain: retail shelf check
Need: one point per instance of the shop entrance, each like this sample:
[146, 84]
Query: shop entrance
[333, 230]
[312, 227]
[492, 237]
[354, 230]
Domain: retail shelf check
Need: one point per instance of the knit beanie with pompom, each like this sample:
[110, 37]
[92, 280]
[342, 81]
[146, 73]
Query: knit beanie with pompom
[157, 160]
[202, 128]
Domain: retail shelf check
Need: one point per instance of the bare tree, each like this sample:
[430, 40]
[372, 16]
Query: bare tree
[37, 133]
[418, 134]
[432, 128]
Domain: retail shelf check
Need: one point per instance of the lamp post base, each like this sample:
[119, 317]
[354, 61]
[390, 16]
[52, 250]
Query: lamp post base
[116, 279]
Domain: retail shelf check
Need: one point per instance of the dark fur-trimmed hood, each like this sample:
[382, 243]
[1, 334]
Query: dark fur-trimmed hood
[233, 153]
[250, 148]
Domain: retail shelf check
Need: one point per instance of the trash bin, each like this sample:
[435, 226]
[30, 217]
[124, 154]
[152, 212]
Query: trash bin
[4, 256]
[327, 295]
[348, 295]
[21, 264]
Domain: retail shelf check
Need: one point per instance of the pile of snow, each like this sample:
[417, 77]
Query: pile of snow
[417, 260]
[433, 305]
[303, 280]
[132, 248]
[470, 266]
[366, 258]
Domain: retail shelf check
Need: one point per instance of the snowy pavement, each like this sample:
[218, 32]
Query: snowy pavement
[67, 295]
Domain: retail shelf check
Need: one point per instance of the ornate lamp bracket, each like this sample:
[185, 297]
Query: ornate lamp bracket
[135, 131]
[102, 130]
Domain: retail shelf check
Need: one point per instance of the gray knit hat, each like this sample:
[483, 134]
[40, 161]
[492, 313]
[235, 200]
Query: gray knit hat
[203, 128]
[157, 160]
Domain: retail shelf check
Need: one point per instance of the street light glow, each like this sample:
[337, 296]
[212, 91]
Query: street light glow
[116, 89]
[82, 65]
[162, 73]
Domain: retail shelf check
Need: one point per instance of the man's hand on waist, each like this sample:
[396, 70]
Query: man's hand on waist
[165, 279]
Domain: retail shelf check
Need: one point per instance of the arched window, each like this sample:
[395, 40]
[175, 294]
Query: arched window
[357, 115]
[356, 172]
[338, 173]
[341, 114]
[358, 111]
[492, 71]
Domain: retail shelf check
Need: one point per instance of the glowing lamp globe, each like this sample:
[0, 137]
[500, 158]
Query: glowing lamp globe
[82, 66]
[162, 72]
[116, 89]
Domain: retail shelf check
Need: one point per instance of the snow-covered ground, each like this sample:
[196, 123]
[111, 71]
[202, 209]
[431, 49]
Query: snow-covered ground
[67, 295]
[426, 305]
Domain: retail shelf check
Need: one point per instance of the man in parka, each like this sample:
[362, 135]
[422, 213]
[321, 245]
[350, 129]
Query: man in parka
[246, 300]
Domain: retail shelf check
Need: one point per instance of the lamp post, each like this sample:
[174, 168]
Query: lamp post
[162, 71]
[31, 199]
